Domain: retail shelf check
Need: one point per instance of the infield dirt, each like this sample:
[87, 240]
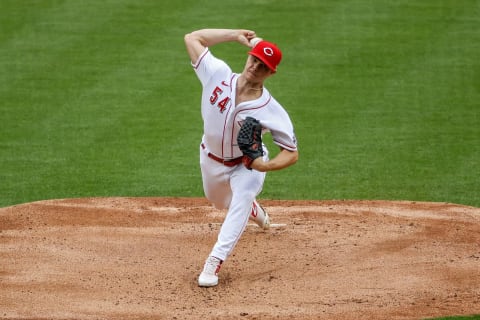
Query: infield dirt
[139, 258]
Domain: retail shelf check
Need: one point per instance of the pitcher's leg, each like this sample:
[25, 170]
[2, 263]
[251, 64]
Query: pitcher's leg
[232, 227]
[245, 185]
[215, 181]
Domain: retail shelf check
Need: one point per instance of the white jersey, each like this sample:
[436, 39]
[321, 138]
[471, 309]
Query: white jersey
[222, 116]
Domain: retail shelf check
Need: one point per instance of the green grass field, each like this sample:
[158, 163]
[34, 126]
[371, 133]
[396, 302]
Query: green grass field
[97, 98]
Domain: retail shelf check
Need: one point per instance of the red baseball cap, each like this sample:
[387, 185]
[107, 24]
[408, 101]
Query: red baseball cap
[269, 53]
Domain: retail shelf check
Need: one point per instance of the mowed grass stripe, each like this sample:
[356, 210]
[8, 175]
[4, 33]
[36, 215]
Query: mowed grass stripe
[83, 107]
[379, 121]
[111, 107]
[428, 147]
[453, 109]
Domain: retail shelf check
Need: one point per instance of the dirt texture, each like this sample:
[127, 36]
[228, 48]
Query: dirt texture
[139, 258]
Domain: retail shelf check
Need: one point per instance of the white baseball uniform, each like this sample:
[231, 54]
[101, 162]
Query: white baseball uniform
[229, 184]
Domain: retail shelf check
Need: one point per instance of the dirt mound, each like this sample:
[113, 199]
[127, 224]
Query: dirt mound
[138, 258]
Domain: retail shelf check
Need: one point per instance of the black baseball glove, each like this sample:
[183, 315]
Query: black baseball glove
[249, 141]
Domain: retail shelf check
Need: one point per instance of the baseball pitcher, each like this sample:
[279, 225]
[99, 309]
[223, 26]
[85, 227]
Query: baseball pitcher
[236, 110]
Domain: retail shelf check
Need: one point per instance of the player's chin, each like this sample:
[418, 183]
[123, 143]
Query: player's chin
[251, 75]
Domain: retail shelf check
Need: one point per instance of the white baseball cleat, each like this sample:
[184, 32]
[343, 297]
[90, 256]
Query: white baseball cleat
[208, 277]
[260, 216]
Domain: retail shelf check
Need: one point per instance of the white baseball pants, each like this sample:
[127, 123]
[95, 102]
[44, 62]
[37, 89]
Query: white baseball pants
[233, 188]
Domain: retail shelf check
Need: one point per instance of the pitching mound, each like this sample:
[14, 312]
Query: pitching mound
[139, 258]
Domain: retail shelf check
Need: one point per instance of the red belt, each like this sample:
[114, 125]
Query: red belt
[228, 163]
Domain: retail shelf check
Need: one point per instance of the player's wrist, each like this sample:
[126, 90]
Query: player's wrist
[260, 165]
